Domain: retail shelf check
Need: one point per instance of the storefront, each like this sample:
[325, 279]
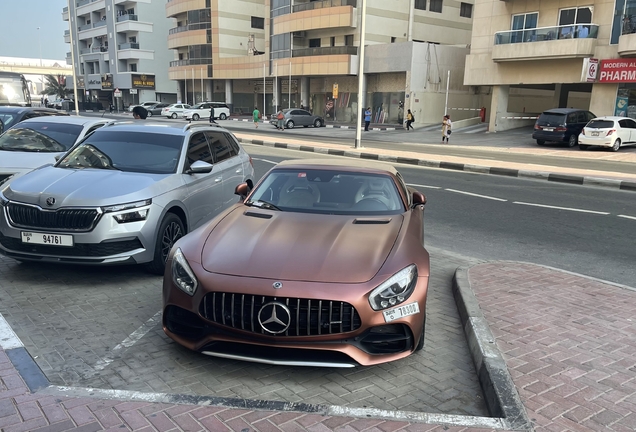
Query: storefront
[623, 73]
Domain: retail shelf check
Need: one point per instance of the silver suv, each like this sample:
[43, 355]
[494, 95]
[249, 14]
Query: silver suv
[125, 194]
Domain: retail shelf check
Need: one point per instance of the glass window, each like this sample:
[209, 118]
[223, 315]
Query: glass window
[581, 117]
[349, 40]
[7, 119]
[466, 10]
[420, 4]
[40, 137]
[233, 143]
[600, 124]
[281, 46]
[631, 124]
[524, 22]
[221, 147]
[198, 150]
[436, 6]
[623, 124]
[258, 22]
[571, 118]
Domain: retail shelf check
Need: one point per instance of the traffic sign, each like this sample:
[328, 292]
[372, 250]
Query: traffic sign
[117, 93]
[133, 91]
[335, 91]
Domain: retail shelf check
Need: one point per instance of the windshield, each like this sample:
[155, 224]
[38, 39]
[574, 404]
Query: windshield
[328, 192]
[40, 137]
[197, 106]
[600, 124]
[13, 90]
[552, 119]
[126, 151]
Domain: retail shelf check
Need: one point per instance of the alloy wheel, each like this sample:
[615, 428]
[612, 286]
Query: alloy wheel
[171, 234]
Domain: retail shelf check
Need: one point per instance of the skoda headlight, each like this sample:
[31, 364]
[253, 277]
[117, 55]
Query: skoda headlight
[182, 274]
[396, 290]
[137, 213]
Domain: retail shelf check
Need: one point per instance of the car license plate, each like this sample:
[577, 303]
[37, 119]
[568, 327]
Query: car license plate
[47, 239]
[548, 129]
[594, 133]
[401, 312]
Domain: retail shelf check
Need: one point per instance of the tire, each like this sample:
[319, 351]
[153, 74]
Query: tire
[173, 116]
[420, 343]
[222, 116]
[317, 123]
[170, 230]
[573, 141]
[540, 142]
[290, 124]
[616, 146]
[149, 114]
[583, 147]
[195, 117]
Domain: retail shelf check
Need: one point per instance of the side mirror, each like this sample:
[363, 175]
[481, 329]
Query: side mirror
[418, 198]
[58, 157]
[242, 190]
[200, 167]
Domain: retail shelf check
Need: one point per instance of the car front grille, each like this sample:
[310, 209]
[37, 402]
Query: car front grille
[308, 317]
[78, 250]
[63, 219]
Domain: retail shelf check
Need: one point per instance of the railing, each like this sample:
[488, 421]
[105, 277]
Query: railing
[68, 55]
[85, 51]
[322, 4]
[129, 45]
[101, 49]
[101, 23]
[85, 2]
[67, 32]
[127, 17]
[191, 62]
[576, 31]
[85, 27]
[305, 52]
[629, 21]
[197, 26]
[65, 9]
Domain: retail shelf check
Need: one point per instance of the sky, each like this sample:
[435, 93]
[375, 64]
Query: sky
[19, 37]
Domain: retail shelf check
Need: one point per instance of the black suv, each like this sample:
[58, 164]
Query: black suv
[11, 115]
[561, 125]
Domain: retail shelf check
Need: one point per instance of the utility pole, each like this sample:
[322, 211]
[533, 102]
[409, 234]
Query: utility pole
[361, 107]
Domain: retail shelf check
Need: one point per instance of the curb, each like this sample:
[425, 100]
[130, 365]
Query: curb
[329, 126]
[499, 390]
[624, 185]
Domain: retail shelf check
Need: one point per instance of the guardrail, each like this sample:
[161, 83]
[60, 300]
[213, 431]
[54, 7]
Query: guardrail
[322, 4]
[191, 62]
[540, 34]
[129, 45]
[127, 17]
[197, 26]
[304, 52]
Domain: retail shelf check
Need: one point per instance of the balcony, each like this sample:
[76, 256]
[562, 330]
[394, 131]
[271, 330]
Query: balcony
[560, 42]
[127, 17]
[130, 22]
[129, 45]
[67, 36]
[176, 7]
[188, 35]
[101, 23]
[189, 27]
[322, 51]
[85, 27]
[131, 50]
[322, 4]
[65, 14]
[191, 62]
[627, 40]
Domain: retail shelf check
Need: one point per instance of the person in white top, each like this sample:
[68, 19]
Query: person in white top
[446, 128]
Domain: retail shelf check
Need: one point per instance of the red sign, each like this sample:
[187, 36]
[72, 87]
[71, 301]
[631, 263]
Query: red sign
[617, 71]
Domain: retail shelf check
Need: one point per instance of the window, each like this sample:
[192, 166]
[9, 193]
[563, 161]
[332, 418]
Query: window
[198, 150]
[314, 43]
[280, 46]
[420, 4]
[132, 67]
[221, 148]
[435, 6]
[569, 17]
[333, 41]
[466, 10]
[258, 22]
[523, 22]
[582, 117]
[349, 40]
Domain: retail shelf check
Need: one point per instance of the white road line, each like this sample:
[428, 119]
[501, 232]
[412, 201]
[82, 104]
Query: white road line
[265, 160]
[8, 338]
[561, 208]
[627, 217]
[129, 341]
[423, 186]
[477, 195]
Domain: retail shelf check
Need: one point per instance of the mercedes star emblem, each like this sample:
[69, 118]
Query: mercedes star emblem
[50, 201]
[277, 285]
[274, 317]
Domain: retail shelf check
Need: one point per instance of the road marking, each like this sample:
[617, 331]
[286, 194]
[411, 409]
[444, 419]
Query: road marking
[265, 160]
[477, 195]
[129, 341]
[627, 217]
[561, 208]
[8, 338]
[423, 186]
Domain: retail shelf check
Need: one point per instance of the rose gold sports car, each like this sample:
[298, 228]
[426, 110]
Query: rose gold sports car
[322, 263]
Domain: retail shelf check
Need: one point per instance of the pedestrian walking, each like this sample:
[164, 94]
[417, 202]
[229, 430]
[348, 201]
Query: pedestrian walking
[46, 102]
[367, 118]
[446, 128]
[280, 116]
[409, 120]
[212, 114]
[256, 114]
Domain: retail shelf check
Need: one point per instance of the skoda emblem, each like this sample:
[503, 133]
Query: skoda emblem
[274, 317]
[277, 285]
[50, 201]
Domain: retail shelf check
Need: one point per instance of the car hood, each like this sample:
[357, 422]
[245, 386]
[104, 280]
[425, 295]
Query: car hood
[21, 160]
[86, 187]
[300, 246]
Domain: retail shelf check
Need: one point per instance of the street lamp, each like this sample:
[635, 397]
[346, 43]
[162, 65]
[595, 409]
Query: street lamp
[361, 74]
[40, 43]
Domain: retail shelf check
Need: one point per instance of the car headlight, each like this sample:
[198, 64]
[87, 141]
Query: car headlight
[182, 275]
[137, 213]
[3, 200]
[395, 290]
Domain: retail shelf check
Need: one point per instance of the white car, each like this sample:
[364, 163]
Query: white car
[609, 131]
[144, 104]
[202, 110]
[38, 141]
[175, 110]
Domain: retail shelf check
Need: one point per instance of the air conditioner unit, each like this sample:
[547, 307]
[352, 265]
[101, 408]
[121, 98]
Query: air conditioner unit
[300, 34]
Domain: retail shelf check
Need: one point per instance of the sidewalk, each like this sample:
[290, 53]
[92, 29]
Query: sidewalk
[568, 342]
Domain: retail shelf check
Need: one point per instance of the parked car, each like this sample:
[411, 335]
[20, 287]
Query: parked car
[59, 103]
[175, 110]
[38, 141]
[562, 125]
[202, 110]
[11, 115]
[124, 194]
[610, 132]
[156, 109]
[298, 117]
[331, 270]
[143, 104]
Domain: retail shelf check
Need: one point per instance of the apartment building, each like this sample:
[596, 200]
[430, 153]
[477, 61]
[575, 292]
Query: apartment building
[120, 45]
[292, 53]
[538, 55]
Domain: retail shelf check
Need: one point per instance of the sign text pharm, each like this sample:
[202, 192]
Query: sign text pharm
[617, 71]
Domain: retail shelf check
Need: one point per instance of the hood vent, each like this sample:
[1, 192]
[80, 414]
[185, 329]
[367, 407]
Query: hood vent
[371, 221]
[258, 215]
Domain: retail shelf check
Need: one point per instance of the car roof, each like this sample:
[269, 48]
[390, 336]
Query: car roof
[150, 126]
[75, 120]
[20, 109]
[353, 164]
[612, 118]
[562, 110]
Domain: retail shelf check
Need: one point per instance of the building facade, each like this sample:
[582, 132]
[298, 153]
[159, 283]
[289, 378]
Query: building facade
[291, 53]
[537, 55]
[119, 45]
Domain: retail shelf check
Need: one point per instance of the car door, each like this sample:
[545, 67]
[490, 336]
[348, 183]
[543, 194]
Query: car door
[631, 124]
[226, 159]
[204, 192]
[623, 131]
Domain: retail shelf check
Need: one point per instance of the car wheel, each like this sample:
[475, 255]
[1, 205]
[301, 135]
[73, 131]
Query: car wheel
[290, 124]
[195, 117]
[574, 139]
[617, 145]
[173, 116]
[170, 230]
[149, 114]
[222, 116]
[583, 147]
[420, 343]
[317, 123]
[540, 142]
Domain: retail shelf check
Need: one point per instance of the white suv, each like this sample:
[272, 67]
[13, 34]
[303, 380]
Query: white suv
[202, 110]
